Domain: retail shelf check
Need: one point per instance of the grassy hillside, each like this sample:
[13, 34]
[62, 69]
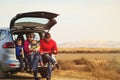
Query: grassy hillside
[89, 50]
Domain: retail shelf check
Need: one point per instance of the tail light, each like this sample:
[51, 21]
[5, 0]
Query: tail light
[9, 45]
[12, 65]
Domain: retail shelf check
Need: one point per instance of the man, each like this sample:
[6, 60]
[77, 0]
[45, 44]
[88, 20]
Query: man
[48, 47]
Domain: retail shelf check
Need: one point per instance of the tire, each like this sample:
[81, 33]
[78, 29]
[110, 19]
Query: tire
[13, 72]
[2, 74]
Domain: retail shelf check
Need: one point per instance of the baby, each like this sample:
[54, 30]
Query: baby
[34, 46]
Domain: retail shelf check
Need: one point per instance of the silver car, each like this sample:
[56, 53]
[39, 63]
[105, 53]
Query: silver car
[37, 22]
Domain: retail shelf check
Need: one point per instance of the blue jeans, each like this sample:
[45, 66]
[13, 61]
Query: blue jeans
[21, 60]
[48, 59]
[35, 58]
[27, 62]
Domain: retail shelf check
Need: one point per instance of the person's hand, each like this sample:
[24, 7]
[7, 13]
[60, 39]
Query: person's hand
[42, 53]
[21, 53]
[54, 51]
[31, 49]
[35, 51]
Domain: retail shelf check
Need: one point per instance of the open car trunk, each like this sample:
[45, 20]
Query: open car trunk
[33, 21]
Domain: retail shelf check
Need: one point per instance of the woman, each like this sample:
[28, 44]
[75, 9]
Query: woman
[31, 64]
[27, 51]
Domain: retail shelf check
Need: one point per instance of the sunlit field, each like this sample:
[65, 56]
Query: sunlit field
[89, 50]
[89, 56]
[82, 66]
[89, 66]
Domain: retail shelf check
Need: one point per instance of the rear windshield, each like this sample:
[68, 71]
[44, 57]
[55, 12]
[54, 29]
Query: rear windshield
[37, 37]
[35, 20]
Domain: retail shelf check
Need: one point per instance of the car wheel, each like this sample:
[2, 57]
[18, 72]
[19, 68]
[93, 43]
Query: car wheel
[2, 74]
[13, 72]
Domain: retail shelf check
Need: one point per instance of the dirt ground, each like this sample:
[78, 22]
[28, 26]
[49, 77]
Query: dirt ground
[28, 76]
[63, 74]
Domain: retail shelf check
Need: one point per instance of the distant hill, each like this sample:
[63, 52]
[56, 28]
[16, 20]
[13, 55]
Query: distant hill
[90, 44]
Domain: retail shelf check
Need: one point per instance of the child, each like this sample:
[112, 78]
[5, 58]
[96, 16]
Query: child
[20, 53]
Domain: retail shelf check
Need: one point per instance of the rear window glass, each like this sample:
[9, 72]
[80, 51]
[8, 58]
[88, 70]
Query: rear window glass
[35, 20]
[37, 36]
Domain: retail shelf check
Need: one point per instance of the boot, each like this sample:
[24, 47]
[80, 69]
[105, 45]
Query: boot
[37, 78]
[48, 78]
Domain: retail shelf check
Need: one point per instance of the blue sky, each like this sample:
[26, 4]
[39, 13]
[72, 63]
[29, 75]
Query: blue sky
[78, 19]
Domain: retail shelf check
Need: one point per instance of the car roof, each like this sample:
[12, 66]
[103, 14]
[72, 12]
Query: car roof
[2, 28]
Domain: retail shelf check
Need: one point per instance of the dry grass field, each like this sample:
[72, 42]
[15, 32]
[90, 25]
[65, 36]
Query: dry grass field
[82, 64]
[89, 66]
[89, 50]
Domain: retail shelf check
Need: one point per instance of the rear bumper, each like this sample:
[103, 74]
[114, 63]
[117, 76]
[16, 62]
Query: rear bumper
[10, 65]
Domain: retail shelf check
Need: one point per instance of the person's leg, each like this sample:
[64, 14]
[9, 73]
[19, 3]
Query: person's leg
[35, 66]
[36, 74]
[40, 60]
[49, 66]
[56, 64]
[50, 59]
[21, 62]
[54, 57]
[27, 63]
[18, 57]
[49, 71]
[31, 60]
[35, 61]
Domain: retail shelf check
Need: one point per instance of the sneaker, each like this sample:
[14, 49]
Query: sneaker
[31, 71]
[22, 69]
[28, 69]
[57, 66]
[48, 78]
[37, 79]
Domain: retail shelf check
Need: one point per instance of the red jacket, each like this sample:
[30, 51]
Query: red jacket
[26, 48]
[48, 46]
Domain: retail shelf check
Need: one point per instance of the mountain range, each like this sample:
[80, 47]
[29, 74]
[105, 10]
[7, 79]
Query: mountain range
[90, 44]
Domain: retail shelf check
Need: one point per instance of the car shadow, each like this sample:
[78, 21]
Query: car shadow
[18, 77]
[21, 76]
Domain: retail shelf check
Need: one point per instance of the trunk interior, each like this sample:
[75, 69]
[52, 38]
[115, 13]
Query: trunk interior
[22, 35]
